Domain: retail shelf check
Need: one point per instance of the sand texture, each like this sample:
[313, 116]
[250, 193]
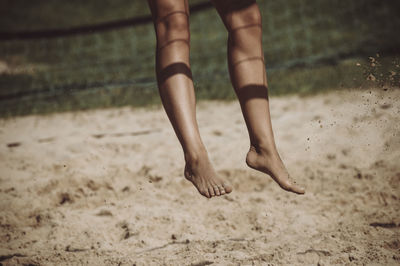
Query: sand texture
[106, 187]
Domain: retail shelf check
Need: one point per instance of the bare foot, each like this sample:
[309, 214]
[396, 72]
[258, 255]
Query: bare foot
[262, 160]
[200, 172]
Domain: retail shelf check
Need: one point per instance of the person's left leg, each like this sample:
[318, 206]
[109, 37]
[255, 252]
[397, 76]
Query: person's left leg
[242, 19]
[171, 23]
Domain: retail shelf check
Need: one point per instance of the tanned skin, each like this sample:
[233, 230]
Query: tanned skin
[242, 20]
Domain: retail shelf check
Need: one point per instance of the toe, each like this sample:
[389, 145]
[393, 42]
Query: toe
[297, 189]
[216, 190]
[227, 187]
[211, 191]
[221, 189]
[205, 193]
[294, 187]
[286, 185]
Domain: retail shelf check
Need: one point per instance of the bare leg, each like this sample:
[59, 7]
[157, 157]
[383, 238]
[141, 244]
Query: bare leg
[171, 21]
[242, 19]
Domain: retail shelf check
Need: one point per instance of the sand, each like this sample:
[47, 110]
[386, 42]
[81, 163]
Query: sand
[106, 187]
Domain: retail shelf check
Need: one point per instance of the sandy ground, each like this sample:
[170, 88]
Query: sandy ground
[105, 187]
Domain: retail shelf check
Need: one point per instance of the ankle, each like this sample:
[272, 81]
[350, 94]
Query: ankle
[263, 148]
[193, 156]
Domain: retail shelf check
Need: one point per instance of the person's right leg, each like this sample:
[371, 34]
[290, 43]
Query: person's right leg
[242, 19]
[171, 21]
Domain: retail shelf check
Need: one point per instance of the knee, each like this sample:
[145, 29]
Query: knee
[177, 23]
[174, 25]
[247, 18]
[252, 17]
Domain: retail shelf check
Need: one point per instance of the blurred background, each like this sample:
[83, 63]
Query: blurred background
[76, 55]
